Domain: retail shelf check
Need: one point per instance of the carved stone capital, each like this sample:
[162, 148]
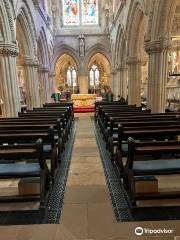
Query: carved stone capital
[133, 60]
[43, 69]
[113, 72]
[36, 3]
[52, 75]
[158, 45]
[9, 49]
[122, 68]
[28, 61]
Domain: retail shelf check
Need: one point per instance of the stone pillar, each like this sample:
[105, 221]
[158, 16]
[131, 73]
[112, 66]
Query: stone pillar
[32, 83]
[116, 78]
[52, 85]
[123, 81]
[44, 85]
[83, 83]
[134, 81]
[9, 91]
[157, 73]
[113, 84]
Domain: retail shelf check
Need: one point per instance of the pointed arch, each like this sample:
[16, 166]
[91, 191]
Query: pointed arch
[120, 48]
[43, 48]
[26, 19]
[97, 48]
[136, 28]
[161, 20]
[61, 49]
[7, 32]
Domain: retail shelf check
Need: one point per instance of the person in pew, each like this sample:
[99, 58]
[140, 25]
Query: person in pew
[121, 99]
[56, 97]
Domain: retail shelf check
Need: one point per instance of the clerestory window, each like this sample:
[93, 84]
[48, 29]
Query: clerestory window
[80, 12]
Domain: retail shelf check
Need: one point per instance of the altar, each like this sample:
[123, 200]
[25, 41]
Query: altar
[83, 102]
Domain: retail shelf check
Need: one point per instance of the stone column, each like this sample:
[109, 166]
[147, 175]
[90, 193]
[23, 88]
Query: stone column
[123, 81]
[52, 85]
[157, 73]
[83, 83]
[114, 83]
[134, 81]
[32, 83]
[116, 78]
[9, 90]
[44, 85]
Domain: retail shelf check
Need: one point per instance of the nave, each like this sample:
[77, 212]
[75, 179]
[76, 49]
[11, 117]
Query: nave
[112, 173]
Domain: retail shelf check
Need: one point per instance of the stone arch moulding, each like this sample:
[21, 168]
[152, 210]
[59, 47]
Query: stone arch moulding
[135, 23]
[59, 50]
[98, 48]
[43, 44]
[120, 50]
[161, 19]
[6, 13]
[27, 21]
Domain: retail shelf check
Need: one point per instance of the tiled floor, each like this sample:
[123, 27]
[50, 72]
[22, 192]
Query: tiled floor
[87, 212]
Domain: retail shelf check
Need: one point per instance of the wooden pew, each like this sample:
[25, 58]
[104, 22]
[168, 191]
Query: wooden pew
[68, 117]
[104, 118]
[98, 105]
[37, 168]
[142, 134]
[51, 149]
[65, 110]
[112, 131]
[112, 122]
[37, 123]
[150, 166]
[133, 116]
[61, 104]
[47, 114]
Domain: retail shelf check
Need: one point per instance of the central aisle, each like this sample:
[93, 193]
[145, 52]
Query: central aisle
[87, 210]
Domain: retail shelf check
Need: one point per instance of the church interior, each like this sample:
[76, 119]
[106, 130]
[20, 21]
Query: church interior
[89, 119]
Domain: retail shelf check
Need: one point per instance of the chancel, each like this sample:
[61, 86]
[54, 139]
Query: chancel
[89, 119]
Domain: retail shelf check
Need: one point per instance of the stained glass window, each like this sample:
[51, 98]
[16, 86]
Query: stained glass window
[71, 77]
[94, 76]
[71, 12]
[80, 12]
[89, 11]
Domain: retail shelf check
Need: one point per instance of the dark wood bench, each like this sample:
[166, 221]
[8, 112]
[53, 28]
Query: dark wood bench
[62, 104]
[51, 149]
[150, 166]
[104, 119]
[48, 114]
[33, 169]
[141, 134]
[99, 105]
[41, 123]
[66, 110]
[111, 133]
[112, 122]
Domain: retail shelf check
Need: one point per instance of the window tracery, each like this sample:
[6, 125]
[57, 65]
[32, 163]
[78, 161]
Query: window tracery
[80, 12]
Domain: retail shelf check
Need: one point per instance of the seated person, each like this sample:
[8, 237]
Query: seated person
[121, 99]
[56, 97]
